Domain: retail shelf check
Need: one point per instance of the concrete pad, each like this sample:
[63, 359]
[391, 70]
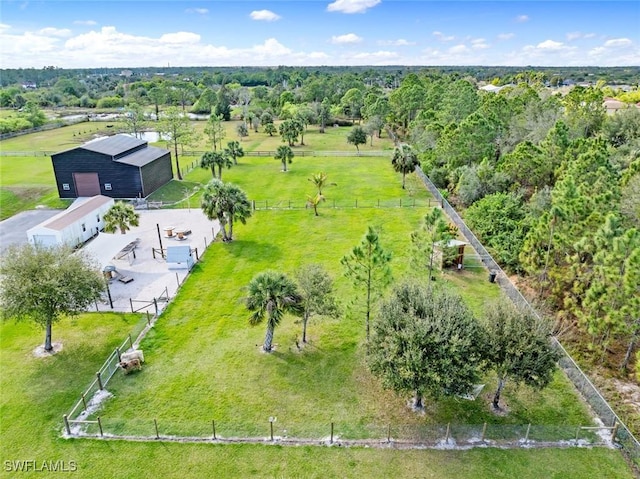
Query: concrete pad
[152, 278]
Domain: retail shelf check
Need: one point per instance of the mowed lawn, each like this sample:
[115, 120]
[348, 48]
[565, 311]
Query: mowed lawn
[204, 362]
[35, 392]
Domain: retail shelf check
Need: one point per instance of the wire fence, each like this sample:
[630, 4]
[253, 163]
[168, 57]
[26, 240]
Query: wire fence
[580, 380]
[280, 431]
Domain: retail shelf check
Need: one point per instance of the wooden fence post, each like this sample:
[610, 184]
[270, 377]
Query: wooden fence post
[155, 422]
[526, 436]
[614, 432]
[131, 303]
[65, 418]
[213, 422]
[99, 381]
[389, 433]
[446, 439]
[331, 441]
[484, 431]
[177, 279]
[130, 341]
[84, 402]
[148, 318]
[100, 426]
[118, 354]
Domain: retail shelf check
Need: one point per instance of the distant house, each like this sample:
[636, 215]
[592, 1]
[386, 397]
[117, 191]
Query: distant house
[75, 225]
[29, 85]
[612, 106]
[118, 166]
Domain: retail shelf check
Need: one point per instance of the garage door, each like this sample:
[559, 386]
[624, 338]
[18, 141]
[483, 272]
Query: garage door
[87, 184]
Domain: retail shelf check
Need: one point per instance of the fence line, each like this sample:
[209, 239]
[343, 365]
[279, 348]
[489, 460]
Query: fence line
[84, 406]
[579, 379]
[443, 436]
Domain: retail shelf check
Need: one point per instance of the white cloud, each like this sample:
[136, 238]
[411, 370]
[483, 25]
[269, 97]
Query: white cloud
[352, 6]
[180, 38]
[506, 36]
[479, 44]
[616, 51]
[578, 35]
[442, 37]
[550, 45]
[618, 42]
[377, 56]
[55, 32]
[347, 38]
[522, 18]
[199, 11]
[264, 15]
[85, 22]
[400, 42]
[458, 49]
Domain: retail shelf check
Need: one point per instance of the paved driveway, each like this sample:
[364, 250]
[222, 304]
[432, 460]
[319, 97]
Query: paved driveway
[14, 230]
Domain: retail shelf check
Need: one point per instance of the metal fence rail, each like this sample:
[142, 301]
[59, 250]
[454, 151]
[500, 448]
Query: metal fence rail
[579, 379]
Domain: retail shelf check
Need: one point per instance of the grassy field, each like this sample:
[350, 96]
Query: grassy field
[28, 181]
[204, 361]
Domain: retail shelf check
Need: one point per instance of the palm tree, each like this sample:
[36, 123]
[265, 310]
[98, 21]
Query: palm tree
[238, 207]
[120, 216]
[320, 181]
[214, 202]
[404, 161]
[226, 203]
[272, 294]
[314, 201]
[234, 150]
[285, 154]
[207, 162]
[213, 159]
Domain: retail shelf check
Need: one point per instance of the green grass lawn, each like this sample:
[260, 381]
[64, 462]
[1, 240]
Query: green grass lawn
[34, 393]
[204, 360]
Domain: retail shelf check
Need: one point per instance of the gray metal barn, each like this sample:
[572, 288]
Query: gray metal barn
[118, 166]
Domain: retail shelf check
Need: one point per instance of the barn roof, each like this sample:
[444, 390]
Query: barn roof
[71, 215]
[142, 157]
[113, 145]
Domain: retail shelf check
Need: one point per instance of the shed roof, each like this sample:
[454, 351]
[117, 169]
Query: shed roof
[113, 145]
[142, 157]
[71, 215]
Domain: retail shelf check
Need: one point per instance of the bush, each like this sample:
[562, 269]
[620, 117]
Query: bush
[110, 102]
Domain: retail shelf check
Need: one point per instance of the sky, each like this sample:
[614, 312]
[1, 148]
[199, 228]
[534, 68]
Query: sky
[156, 33]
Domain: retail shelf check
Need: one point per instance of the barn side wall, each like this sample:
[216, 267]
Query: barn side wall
[156, 174]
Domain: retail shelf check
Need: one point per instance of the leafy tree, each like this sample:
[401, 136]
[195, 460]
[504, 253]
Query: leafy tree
[367, 266]
[223, 103]
[242, 130]
[177, 128]
[324, 113]
[213, 159]
[134, 119]
[120, 216]
[425, 343]
[424, 241]
[214, 129]
[500, 222]
[272, 294]
[45, 284]
[157, 96]
[314, 202]
[404, 160]
[285, 155]
[34, 114]
[357, 136]
[270, 129]
[320, 180]
[234, 151]
[518, 347]
[316, 290]
[226, 203]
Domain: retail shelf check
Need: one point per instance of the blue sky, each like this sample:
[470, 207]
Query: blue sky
[121, 33]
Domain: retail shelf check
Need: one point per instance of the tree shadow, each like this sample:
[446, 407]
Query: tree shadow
[250, 250]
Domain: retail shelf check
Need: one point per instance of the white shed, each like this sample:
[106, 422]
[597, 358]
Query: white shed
[75, 225]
